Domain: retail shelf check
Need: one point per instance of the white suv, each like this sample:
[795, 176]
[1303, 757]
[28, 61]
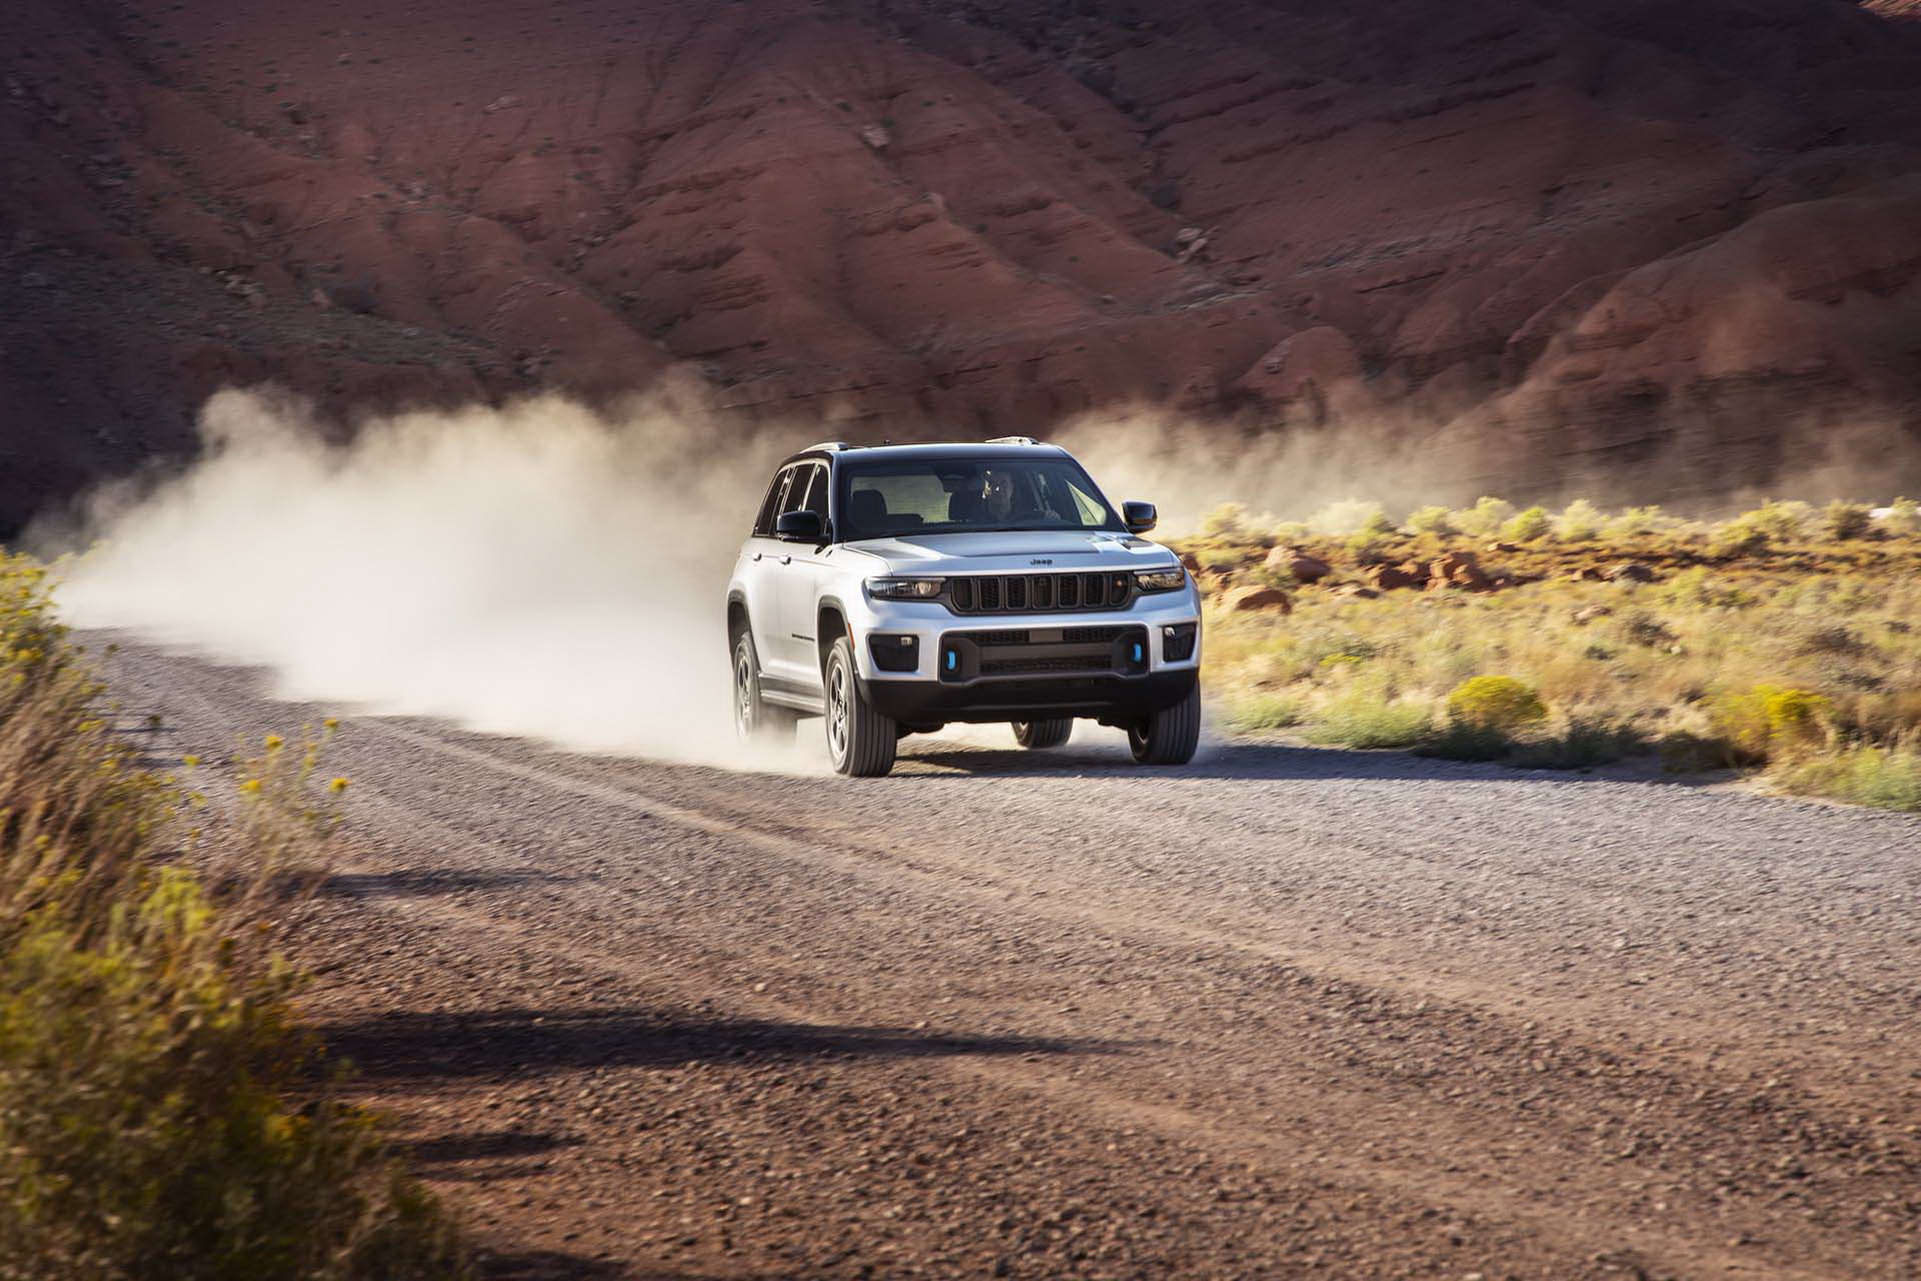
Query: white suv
[894, 589]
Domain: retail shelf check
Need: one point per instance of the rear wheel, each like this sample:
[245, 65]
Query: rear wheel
[756, 721]
[860, 741]
[1038, 734]
[1169, 736]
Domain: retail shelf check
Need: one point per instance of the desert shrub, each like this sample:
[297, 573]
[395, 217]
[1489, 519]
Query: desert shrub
[1903, 517]
[1485, 518]
[1430, 520]
[1768, 719]
[1843, 520]
[1229, 520]
[1263, 710]
[1637, 522]
[1733, 539]
[1528, 526]
[1698, 588]
[162, 1114]
[1459, 740]
[1884, 777]
[1365, 718]
[1495, 702]
[1220, 559]
[1770, 523]
[1290, 532]
[1369, 544]
[1580, 743]
[1579, 522]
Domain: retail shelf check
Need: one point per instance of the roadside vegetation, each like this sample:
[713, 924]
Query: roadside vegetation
[162, 1112]
[1785, 641]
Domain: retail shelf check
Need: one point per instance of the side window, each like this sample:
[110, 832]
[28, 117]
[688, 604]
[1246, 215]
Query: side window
[795, 497]
[771, 506]
[816, 500]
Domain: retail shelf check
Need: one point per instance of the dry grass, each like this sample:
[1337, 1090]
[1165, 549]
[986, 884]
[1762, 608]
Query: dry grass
[162, 1112]
[1785, 639]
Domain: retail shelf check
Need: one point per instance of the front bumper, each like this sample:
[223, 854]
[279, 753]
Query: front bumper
[1112, 700]
[1114, 666]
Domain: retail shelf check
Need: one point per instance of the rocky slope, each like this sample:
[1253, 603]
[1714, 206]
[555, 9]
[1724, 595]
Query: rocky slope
[1639, 246]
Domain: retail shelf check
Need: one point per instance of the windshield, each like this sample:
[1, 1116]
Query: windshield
[968, 495]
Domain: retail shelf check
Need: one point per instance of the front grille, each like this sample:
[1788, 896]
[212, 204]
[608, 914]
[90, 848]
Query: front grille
[1038, 593]
[1043, 651]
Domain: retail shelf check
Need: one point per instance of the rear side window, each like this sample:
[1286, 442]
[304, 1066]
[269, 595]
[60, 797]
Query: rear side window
[771, 505]
[816, 499]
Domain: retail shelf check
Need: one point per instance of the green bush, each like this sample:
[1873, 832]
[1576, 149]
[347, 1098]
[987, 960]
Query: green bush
[1904, 517]
[1768, 719]
[161, 1113]
[1485, 518]
[1884, 777]
[1360, 718]
[1431, 520]
[1579, 522]
[1844, 520]
[1229, 520]
[1495, 702]
[1529, 526]
[1634, 522]
[1259, 711]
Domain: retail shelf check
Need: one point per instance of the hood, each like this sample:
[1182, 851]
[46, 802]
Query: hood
[1015, 551]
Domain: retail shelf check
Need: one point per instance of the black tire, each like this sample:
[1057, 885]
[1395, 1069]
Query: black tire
[1035, 735]
[860, 741]
[1169, 736]
[755, 720]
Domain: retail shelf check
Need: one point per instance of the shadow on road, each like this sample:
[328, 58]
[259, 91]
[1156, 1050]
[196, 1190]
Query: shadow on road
[485, 1156]
[432, 1047]
[419, 884]
[1261, 761]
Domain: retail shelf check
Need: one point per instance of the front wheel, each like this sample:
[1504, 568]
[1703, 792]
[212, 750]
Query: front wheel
[1169, 736]
[756, 721]
[860, 741]
[1038, 734]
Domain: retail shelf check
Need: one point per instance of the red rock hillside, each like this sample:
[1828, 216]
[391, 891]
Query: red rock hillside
[1653, 246]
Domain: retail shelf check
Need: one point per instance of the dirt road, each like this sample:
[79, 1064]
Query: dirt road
[1284, 1012]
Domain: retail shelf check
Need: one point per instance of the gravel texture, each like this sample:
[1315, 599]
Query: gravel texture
[1282, 1012]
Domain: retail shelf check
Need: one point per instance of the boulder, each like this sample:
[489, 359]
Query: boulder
[1457, 569]
[1630, 571]
[1298, 564]
[1390, 577]
[1355, 591]
[1588, 613]
[1240, 600]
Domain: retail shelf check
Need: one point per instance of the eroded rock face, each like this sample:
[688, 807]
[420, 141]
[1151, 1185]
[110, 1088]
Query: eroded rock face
[1575, 238]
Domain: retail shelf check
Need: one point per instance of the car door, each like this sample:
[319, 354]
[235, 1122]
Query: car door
[760, 575]
[800, 579]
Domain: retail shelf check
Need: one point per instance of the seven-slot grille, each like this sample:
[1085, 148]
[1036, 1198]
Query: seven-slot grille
[1038, 593]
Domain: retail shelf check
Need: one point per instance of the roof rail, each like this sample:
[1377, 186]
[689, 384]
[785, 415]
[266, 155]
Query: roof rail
[1012, 440]
[827, 445]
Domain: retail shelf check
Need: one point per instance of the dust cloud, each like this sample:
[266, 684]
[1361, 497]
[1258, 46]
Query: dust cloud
[540, 569]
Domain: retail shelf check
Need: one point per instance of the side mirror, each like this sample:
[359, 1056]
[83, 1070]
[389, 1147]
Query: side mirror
[800, 527]
[1139, 517]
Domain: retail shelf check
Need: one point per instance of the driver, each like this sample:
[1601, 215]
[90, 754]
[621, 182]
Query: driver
[997, 494]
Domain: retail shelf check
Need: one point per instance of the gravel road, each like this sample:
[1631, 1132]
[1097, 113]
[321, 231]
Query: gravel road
[1284, 1012]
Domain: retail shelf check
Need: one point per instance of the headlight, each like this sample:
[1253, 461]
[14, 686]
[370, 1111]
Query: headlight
[1161, 580]
[905, 588]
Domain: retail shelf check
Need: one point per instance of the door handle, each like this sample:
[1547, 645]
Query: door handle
[786, 560]
[757, 555]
